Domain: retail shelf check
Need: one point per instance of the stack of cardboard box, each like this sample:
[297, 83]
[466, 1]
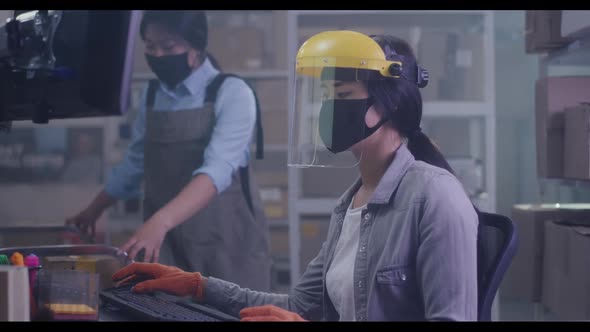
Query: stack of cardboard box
[237, 48]
[577, 142]
[553, 95]
[455, 61]
[566, 267]
[524, 278]
[551, 264]
[543, 31]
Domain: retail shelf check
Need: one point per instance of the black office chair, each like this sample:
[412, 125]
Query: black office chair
[497, 245]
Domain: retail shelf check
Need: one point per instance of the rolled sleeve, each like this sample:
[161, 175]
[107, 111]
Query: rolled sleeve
[124, 181]
[235, 111]
[447, 255]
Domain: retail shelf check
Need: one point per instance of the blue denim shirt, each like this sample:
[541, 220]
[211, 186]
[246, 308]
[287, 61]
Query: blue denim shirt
[416, 260]
[235, 116]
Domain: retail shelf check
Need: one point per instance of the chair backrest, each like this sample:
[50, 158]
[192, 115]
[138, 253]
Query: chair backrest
[497, 244]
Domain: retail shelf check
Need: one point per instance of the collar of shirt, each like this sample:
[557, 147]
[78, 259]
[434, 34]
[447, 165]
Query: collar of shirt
[387, 185]
[195, 82]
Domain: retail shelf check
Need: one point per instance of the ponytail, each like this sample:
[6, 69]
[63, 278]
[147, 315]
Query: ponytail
[424, 149]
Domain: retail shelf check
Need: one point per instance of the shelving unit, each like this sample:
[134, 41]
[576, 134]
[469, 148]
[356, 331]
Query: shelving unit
[308, 209]
[570, 60]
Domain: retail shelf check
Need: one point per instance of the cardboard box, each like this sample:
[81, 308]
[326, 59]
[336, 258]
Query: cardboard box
[275, 202]
[577, 143]
[237, 48]
[524, 280]
[28, 239]
[543, 30]
[272, 95]
[575, 23]
[44, 203]
[552, 96]
[279, 242]
[327, 182]
[314, 232]
[555, 267]
[276, 126]
[566, 287]
[430, 53]
[471, 58]
[451, 135]
[272, 170]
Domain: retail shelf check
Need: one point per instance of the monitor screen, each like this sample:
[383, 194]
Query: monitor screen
[90, 71]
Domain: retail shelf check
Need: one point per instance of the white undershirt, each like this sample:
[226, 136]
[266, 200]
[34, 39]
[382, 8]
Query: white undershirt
[340, 275]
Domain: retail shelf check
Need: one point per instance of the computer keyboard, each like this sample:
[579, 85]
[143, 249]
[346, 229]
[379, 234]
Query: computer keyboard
[152, 307]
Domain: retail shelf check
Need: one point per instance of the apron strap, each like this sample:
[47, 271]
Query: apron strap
[245, 180]
[153, 86]
[210, 97]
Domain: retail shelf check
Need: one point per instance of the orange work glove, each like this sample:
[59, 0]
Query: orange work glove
[167, 279]
[267, 313]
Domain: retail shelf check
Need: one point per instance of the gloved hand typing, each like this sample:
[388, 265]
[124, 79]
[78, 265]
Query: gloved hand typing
[269, 313]
[167, 279]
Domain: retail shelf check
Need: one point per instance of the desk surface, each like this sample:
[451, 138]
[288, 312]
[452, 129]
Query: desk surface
[106, 314]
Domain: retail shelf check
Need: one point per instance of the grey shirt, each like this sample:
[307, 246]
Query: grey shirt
[416, 259]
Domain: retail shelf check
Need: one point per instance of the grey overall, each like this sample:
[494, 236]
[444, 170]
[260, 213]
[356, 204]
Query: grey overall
[226, 239]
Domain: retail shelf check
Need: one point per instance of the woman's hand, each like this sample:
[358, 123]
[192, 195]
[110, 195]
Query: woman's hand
[149, 237]
[267, 313]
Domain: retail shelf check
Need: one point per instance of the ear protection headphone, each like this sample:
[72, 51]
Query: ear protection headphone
[408, 70]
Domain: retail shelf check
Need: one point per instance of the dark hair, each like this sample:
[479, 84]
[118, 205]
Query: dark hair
[189, 24]
[402, 102]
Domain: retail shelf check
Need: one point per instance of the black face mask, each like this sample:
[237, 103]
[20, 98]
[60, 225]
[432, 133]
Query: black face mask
[170, 69]
[343, 125]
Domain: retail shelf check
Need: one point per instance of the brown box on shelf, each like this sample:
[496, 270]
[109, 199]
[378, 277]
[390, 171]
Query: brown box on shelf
[272, 170]
[327, 182]
[272, 178]
[463, 59]
[577, 142]
[313, 233]
[272, 94]
[276, 127]
[552, 96]
[275, 202]
[554, 272]
[543, 31]
[237, 48]
[471, 57]
[431, 50]
[566, 287]
[523, 279]
[29, 239]
[279, 242]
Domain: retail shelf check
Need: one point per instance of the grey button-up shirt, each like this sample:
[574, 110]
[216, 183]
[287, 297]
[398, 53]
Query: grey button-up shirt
[416, 260]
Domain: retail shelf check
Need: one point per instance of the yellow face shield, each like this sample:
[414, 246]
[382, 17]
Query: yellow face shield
[331, 98]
